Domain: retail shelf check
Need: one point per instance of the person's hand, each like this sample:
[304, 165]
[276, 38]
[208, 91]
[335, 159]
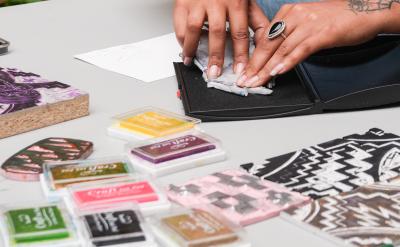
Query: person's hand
[190, 15]
[310, 27]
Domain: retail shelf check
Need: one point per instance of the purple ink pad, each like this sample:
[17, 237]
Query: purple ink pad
[175, 148]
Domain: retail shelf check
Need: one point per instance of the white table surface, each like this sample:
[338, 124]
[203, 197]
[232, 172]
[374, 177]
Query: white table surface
[45, 37]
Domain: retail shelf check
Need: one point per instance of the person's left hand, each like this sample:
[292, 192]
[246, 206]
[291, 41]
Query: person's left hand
[310, 27]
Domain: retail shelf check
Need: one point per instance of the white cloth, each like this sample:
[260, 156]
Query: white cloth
[227, 80]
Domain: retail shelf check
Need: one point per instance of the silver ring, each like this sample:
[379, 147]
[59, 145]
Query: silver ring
[277, 29]
[4, 44]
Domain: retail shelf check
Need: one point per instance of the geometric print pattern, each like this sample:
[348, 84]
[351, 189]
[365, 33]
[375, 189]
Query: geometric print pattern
[240, 197]
[368, 216]
[333, 167]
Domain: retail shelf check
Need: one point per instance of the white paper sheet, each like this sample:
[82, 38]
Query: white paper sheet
[148, 60]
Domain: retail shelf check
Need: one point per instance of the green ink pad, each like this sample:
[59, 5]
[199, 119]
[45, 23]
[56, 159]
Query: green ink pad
[37, 225]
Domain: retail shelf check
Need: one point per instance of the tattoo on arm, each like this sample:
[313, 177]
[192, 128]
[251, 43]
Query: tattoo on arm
[371, 5]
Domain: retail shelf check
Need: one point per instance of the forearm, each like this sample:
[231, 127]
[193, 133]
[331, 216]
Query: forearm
[393, 25]
[386, 12]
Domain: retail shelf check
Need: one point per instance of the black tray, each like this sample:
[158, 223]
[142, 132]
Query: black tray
[349, 78]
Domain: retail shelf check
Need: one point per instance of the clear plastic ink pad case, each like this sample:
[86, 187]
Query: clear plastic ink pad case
[106, 193]
[37, 224]
[58, 175]
[161, 156]
[149, 122]
[196, 228]
[121, 225]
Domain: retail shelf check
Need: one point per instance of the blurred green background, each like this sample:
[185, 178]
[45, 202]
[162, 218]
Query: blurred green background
[4, 3]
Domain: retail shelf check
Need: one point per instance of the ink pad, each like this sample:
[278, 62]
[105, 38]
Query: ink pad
[58, 175]
[121, 225]
[161, 156]
[149, 122]
[131, 189]
[196, 228]
[173, 149]
[37, 225]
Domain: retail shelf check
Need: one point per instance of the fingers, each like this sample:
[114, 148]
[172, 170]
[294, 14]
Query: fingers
[303, 51]
[257, 20]
[300, 46]
[180, 18]
[276, 64]
[265, 49]
[193, 29]
[240, 34]
[217, 37]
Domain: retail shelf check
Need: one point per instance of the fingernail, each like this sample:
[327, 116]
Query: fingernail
[187, 61]
[239, 68]
[278, 68]
[240, 82]
[252, 80]
[214, 72]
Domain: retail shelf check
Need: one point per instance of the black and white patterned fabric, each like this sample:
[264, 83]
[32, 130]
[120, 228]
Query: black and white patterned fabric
[337, 166]
[368, 216]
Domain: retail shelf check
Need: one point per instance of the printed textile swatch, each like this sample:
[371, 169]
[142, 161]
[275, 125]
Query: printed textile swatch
[29, 102]
[21, 90]
[337, 166]
[27, 163]
[241, 198]
[368, 216]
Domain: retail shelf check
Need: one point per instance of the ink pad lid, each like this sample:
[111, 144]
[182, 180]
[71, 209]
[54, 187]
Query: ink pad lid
[149, 122]
[37, 224]
[161, 156]
[120, 225]
[196, 228]
[130, 189]
[58, 175]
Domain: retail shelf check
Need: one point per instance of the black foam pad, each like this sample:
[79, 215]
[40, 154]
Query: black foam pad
[212, 104]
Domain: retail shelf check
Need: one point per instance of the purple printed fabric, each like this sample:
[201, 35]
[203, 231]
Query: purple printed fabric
[20, 90]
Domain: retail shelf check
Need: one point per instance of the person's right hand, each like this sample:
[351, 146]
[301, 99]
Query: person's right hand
[190, 15]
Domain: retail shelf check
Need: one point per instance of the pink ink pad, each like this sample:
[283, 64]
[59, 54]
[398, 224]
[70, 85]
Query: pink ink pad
[114, 191]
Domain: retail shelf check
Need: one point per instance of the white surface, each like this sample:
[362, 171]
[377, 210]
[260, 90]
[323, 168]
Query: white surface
[45, 37]
[148, 60]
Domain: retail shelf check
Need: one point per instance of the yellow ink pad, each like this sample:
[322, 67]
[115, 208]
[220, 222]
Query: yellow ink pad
[148, 123]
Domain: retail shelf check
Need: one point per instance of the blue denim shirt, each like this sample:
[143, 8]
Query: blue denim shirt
[271, 7]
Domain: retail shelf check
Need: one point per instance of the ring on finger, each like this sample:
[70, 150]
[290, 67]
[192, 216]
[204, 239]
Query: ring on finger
[277, 29]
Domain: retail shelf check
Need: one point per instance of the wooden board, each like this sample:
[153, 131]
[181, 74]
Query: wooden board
[28, 102]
